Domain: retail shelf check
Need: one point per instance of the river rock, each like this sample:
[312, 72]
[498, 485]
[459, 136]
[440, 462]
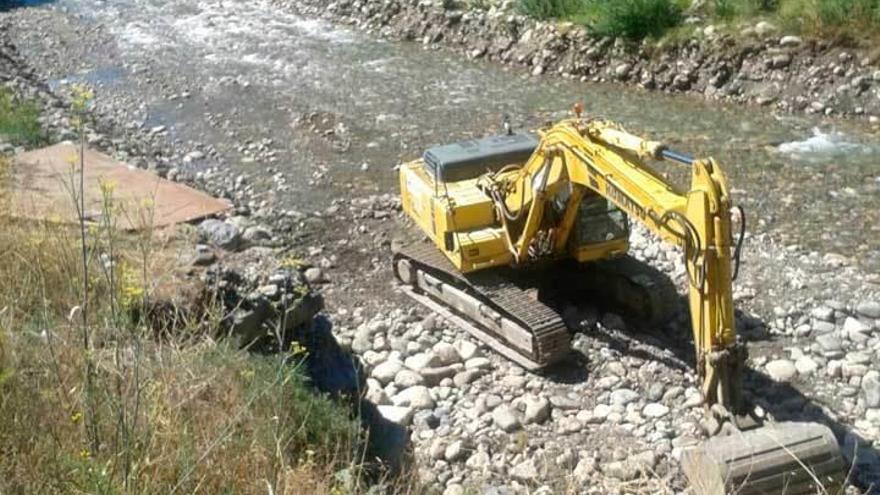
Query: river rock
[408, 378]
[781, 370]
[870, 309]
[831, 345]
[622, 70]
[220, 234]
[834, 368]
[397, 415]
[656, 391]
[607, 382]
[466, 349]
[362, 343]
[478, 461]
[764, 28]
[433, 376]
[204, 256]
[823, 313]
[821, 327]
[790, 41]
[375, 393]
[386, 371]
[315, 275]
[466, 377]
[506, 418]
[437, 449]
[568, 425]
[631, 468]
[422, 360]
[871, 388]
[600, 412]
[859, 357]
[805, 365]
[537, 410]
[454, 489]
[780, 61]
[851, 325]
[478, 363]
[446, 354]
[564, 403]
[525, 471]
[623, 396]
[456, 451]
[655, 410]
[256, 234]
[850, 370]
[584, 470]
[417, 397]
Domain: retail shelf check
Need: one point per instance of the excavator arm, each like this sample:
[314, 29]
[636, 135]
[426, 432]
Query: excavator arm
[594, 156]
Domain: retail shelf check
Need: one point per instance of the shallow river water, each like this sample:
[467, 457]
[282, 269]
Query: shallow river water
[806, 181]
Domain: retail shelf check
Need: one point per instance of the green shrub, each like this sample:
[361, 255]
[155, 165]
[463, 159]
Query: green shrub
[727, 9]
[635, 19]
[19, 120]
[724, 9]
[859, 18]
[551, 9]
[842, 12]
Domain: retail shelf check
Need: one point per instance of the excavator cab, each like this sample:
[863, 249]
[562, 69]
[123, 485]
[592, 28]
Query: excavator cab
[600, 231]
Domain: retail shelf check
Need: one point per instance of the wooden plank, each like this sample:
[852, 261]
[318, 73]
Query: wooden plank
[41, 182]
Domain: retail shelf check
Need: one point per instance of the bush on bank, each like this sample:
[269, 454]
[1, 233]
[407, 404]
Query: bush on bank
[637, 19]
[19, 120]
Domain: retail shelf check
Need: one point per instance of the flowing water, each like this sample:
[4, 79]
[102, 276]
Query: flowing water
[373, 103]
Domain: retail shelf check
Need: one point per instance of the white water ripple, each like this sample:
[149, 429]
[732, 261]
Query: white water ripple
[823, 144]
[219, 29]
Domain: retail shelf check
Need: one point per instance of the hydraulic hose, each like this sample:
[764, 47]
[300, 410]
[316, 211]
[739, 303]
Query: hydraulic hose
[739, 242]
[676, 156]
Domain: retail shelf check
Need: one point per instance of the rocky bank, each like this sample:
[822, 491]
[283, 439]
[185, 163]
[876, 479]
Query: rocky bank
[756, 65]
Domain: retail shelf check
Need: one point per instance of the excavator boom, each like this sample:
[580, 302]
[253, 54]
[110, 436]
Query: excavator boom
[503, 211]
[600, 157]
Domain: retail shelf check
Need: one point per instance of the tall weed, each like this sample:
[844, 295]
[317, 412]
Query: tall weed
[19, 120]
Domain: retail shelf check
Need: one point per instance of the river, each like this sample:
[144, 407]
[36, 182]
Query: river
[344, 104]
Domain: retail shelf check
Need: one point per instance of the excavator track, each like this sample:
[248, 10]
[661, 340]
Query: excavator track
[624, 285]
[512, 321]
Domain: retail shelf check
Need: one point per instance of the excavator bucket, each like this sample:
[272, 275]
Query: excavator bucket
[783, 458]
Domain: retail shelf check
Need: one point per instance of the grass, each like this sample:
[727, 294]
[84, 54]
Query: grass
[209, 419]
[856, 19]
[19, 120]
[638, 19]
[95, 402]
[550, 9]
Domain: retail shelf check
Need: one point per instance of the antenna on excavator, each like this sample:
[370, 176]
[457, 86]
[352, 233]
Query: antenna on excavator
[505, 124]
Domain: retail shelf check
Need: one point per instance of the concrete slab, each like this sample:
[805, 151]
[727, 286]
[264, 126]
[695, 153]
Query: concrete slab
[41, 190]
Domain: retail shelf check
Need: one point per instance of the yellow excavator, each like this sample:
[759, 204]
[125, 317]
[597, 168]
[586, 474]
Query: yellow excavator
[515, 220]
